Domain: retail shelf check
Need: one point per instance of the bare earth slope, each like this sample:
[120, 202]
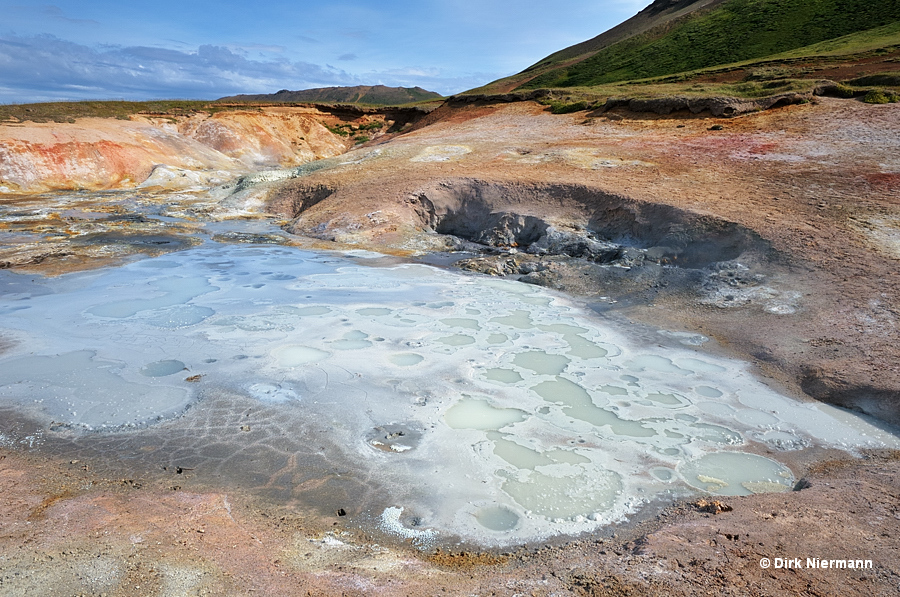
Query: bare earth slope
[105, 153]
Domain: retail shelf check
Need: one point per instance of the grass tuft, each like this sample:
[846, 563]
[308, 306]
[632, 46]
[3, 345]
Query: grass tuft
[881, 96]
[564, 107]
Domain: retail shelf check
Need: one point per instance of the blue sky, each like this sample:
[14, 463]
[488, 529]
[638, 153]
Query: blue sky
[104, 49]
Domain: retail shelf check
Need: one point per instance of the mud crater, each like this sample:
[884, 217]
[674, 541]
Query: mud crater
[588, 223]
[568, 237]
[598, 243]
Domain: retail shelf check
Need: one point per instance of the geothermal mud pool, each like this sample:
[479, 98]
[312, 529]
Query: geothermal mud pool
[480, 409]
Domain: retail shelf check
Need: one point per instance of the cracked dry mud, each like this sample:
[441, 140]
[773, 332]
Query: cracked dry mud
[782, 228]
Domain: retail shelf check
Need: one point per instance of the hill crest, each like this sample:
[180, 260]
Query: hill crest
[676, 36]
[373, 95]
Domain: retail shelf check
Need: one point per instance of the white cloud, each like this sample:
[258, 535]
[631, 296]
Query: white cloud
[45, 68]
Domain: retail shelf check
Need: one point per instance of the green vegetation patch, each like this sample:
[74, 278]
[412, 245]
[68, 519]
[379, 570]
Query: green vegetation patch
[734, 31]
[844, 91]
[573, 99]
[567, 107]
[338, 129]
[881, 96]
[877, 39]
[346, 129]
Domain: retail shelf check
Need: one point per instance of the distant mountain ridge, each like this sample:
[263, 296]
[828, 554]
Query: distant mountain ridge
[373, 95]
[675, 36]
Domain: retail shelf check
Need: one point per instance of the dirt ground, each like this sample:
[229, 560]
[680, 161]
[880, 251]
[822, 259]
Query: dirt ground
[816, 187]
[67, 531]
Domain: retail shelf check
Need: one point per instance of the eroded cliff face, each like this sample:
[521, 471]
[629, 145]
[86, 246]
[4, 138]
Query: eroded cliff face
[173, 152]
[285, 136]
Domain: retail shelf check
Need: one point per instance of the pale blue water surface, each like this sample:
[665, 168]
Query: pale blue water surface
[525, 414]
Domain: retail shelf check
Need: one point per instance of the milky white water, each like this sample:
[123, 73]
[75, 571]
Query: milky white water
[498, 411]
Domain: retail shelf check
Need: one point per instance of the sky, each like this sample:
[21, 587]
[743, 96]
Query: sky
[201, 49]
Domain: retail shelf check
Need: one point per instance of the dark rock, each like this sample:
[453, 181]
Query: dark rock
[631, 257]
[492, 266]
[531, 267]
[802, 484]
[546, 278]
[510, 230]
[575, 244]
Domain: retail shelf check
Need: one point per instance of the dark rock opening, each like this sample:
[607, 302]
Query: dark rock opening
[587, 223]
[474, 211]
[498, 229]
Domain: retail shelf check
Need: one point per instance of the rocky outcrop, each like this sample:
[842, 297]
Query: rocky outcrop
[95, 155]
[170, 152]
[266, 138]
[575, 243]
[716, 106]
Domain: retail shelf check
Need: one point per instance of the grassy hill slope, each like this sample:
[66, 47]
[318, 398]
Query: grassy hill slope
[694, 35]
[370, 95]
[657, 14]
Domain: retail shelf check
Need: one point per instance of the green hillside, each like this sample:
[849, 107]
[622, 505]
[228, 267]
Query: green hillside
[369, 95]
[706, 34]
